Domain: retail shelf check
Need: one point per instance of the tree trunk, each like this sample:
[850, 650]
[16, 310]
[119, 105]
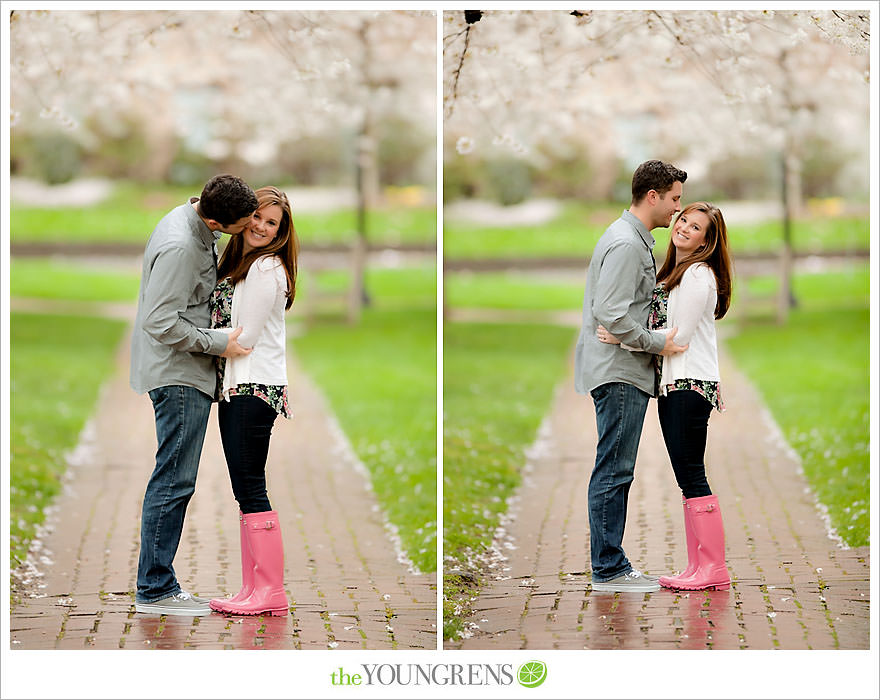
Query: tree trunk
[159, 133]
[794, 181]
[366, 163]
[356, 288]
[357, 293]
[368, 155]
[791, 194]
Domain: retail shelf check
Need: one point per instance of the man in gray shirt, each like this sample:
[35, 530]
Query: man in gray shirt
[172, 358]
[620, 282]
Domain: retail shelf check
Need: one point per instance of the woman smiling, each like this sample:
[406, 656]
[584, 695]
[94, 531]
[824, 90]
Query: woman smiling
[257, 274]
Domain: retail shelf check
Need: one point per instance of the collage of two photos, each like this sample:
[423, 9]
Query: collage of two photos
[439, 329]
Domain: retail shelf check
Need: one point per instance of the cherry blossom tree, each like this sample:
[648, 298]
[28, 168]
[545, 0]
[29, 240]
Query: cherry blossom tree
[691, 86]
[515, 79]
[231, 82]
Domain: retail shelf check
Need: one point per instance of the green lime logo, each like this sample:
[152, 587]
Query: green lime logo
[531, 674]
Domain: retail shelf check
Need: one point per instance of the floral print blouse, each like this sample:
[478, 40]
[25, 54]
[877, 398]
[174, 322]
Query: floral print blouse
[221, 317]
[657, 319]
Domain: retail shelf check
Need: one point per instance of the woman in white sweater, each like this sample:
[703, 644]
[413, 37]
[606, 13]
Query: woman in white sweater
[257, 284]
[694, 285]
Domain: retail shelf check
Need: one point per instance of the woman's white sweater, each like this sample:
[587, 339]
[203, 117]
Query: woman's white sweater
[258, 303]
[691, 309]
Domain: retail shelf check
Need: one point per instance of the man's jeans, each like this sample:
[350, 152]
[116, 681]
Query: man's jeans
[620, 413]
[181, 421]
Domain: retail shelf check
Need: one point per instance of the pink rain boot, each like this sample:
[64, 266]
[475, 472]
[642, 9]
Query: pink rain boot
[691, 540]
[267, 550]
[247, 569]
[709, 532]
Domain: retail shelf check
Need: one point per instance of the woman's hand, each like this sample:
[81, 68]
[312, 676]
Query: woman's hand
[603, 335]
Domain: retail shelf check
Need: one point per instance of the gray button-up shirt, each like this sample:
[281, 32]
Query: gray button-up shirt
[171, 343]
[620, 282]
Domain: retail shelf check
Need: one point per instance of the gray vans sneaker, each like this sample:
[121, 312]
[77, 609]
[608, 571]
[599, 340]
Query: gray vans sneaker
[630, 582]
[648, 577]
[181, 603]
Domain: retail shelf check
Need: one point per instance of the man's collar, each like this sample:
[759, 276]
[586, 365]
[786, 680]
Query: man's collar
[637, 224]
[206, 234]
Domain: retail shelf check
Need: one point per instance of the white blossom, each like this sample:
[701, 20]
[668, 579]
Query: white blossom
[464, 145]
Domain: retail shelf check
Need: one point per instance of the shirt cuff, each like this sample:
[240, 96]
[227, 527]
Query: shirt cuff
[218, 338]
[658, 341]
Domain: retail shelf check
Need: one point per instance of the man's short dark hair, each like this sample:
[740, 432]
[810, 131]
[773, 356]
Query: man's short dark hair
[655, 175]
[226, 199]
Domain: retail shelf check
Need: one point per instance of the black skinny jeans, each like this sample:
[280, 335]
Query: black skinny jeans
[684, 420]
[245, 428]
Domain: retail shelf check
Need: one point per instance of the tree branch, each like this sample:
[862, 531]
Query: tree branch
[457, 71]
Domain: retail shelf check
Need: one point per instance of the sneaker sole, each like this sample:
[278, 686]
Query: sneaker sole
[604, 588]
[188, 612]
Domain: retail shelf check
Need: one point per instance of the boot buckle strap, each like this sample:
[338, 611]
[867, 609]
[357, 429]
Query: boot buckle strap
[708, 508]
[268, 525]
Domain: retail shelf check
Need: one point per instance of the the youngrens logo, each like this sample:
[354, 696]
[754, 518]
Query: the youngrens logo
[529, 675]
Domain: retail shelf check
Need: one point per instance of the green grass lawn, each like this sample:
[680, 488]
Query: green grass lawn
[131, 213]
[513, 290]
[813, 373]
[381, 380]
[498, 381]
[46, 420]
[45, 278]
[576, 230]
[84, 281]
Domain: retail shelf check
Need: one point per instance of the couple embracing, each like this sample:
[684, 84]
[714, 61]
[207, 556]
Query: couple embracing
[645, 334]
[210, 331]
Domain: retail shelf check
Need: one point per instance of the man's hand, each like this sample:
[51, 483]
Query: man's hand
[670, 348]
[233, 349]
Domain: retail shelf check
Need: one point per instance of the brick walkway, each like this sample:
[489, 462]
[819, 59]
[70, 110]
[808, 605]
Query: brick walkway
[347, 588]
[793, 587]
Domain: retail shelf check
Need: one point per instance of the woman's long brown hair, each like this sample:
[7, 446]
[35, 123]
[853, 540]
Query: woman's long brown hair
[235, 263]
[713, 252]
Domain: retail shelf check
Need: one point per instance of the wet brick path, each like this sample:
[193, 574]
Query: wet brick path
[347, 587]
[793, 587]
